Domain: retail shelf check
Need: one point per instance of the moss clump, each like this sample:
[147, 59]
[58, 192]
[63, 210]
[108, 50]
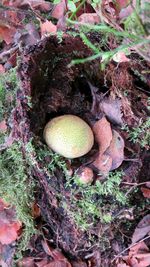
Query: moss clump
[17, 189]
[15, 186]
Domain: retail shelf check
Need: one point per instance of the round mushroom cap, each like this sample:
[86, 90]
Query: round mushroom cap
[69, 136]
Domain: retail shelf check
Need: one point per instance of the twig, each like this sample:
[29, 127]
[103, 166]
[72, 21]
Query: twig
[135, 184]
[132, 245]
[7, 53]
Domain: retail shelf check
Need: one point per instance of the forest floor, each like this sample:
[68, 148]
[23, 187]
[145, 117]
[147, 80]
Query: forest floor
[90, 59]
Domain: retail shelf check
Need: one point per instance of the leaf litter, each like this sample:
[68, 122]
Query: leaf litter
[107, 111]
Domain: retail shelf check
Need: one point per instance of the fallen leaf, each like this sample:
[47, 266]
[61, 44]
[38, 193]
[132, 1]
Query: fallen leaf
[103, 134]
[58, 257]
[126, 11]
[146, 192]
[120, 57]
[79, 264]
[29, 37]
[7, 33]
[26, 262]
[59, 10]
[112, 109]
[139, 256]
[103, 163]
[3, 126]
[57, 264]
[122, 265]
[2, 69]
[47, 27]
[36, 212]
[9, 226]
[91, 18]
[41, 5]
[120, 4]
[116, 150]
[6, 255]
[142, 229]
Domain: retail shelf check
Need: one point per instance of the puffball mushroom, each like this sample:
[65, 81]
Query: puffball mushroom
[69, 136]
[85, 175]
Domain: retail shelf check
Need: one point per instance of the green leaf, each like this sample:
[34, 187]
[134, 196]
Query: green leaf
[56, 2]
[71, 6]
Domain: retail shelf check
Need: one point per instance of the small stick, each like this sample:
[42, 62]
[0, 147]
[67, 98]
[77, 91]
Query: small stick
[132, 245]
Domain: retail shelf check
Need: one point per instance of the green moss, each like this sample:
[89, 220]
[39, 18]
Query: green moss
[96, 202]
[8, 88]
[17, 189]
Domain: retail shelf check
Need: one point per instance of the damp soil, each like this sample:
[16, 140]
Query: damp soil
[51, 87]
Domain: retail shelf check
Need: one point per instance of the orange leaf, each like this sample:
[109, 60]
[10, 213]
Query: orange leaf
[48, 27]
[7, 33]
[116, 150]
[103, 134]
[146, 192]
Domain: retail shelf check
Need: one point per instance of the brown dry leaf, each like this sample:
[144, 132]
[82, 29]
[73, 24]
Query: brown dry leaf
[126, 11]
[47, 27]
[7, 33]
[91, 18]
[58, 257]
[9, 226]
[103, 134]
[112, 109]
[26, 262]
[41, 5]
[36, 212]
[6, 255]
[122, 265]
[116, 150]
[79, 264]
[142, 229]
[103, 163]
[29, 37]
[146, 192]
[59, 10]
[58, 264]
[139, 256]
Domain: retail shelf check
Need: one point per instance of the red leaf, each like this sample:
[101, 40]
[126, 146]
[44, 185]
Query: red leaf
[59, 10]
[7, 33]
[9, 226]
[146, 192]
